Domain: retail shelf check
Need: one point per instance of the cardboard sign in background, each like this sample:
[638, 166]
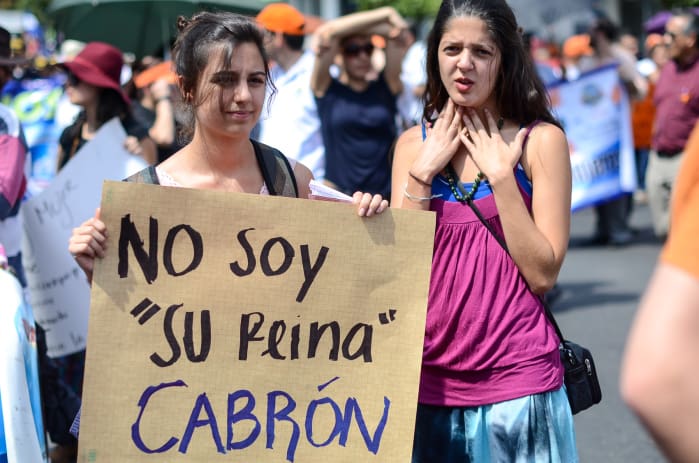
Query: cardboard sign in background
[58, 291]
[253, 328]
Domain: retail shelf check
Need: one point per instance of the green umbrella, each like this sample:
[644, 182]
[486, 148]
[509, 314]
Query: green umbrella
[141, 27]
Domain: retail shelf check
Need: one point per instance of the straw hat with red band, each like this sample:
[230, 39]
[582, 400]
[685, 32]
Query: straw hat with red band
[99, 64]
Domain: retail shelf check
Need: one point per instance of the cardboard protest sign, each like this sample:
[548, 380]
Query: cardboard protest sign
[234, 327]
[58, 290]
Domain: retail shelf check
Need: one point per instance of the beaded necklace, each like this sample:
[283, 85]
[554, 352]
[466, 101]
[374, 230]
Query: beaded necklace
[460, 193]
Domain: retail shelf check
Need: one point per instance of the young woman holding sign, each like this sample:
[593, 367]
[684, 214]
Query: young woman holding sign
[223, 75]
[491, 384]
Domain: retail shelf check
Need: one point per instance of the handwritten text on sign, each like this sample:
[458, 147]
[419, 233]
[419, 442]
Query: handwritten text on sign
[272, 328]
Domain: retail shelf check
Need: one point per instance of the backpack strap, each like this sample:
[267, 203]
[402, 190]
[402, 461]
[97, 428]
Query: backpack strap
[147, 175]
[276, 170]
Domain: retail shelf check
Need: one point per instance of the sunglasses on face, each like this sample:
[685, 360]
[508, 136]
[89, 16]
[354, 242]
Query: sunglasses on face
[354, 49]
[73, 80]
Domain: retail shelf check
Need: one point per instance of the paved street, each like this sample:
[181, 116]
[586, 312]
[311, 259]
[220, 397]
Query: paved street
[601, 287]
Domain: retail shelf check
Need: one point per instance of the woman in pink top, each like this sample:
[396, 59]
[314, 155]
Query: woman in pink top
[492, 382]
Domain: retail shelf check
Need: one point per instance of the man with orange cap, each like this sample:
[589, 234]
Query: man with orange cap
[290, 120]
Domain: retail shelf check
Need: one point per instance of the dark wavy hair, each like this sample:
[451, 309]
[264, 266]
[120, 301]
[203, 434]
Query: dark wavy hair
[192, 52]
[519, 93]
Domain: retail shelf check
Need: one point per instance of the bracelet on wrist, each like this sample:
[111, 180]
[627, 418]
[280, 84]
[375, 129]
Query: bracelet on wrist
[419, 180]
[418, 199]
[164, 98]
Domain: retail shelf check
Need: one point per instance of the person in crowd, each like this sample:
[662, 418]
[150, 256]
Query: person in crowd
[548, 72]
[58, 399]
[491, 385]
[657, 378]
[413, 77]
[13, 164]
[358, 115]
[676, 101]
[613, 215]
[643, 111]
[153, 105]
[574, 49]
[94, 84]
[290, 122]
[630, 42]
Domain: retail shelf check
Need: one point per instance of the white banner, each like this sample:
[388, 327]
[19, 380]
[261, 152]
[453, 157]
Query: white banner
[21, 426]
[58, 290]
[595, 114]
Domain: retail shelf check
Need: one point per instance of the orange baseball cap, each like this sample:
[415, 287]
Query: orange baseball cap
[577, 46]
[282, 17]
[653, 40]
[157, 72]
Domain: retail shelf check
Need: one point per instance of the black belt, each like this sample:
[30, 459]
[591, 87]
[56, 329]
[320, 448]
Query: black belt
[667, 154]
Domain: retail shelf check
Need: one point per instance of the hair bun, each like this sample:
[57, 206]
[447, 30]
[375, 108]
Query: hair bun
[182, 23]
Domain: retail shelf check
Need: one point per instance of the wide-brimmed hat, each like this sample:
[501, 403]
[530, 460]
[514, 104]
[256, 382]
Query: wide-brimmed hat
[6, 58]
[99, 64]
[282, 17]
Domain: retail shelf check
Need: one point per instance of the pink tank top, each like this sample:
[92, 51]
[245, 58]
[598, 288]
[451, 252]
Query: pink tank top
[487, 338]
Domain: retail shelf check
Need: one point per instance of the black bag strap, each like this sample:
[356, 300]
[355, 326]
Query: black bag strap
[276, 170]
[147, 175]
[501, 242]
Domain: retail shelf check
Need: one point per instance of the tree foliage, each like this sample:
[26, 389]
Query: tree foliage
[679, 3]
[417, 9]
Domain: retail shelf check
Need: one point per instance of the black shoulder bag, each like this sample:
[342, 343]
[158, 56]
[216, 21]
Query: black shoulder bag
[580, 378]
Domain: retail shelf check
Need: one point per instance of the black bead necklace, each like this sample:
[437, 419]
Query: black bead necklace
[460, 193]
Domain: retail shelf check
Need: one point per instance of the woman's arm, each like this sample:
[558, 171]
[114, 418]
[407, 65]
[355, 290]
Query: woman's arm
[366, 204]
[657, 378]
[144, 147]
[163, 129]
[88, 242]
[416, 162]
[303, 179]
[396, 47]
[326, 40]
[536, 241]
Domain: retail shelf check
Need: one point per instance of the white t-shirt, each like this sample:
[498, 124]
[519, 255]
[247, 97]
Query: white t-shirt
[413, 74]
[290, 121]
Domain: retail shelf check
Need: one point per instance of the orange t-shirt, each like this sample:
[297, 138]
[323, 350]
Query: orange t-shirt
[642, 115]
[682, 246]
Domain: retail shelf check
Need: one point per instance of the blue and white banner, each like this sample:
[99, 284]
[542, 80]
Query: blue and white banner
[596, 116]
[44, 111]
[21, 427]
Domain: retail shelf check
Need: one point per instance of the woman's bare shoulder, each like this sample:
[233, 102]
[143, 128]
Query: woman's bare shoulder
[411, 138]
